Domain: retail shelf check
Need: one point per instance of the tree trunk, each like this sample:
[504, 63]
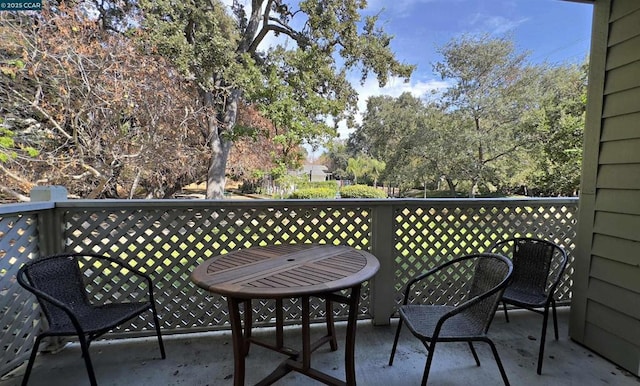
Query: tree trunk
[452, 187]
[474, 188]
[216, 178]
[220, 146]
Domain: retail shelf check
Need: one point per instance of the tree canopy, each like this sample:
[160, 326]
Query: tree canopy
[138, 99]
[299, 80]
[148, 96]
[500, 125]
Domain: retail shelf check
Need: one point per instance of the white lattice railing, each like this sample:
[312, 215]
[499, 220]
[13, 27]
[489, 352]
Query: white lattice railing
[168, 238]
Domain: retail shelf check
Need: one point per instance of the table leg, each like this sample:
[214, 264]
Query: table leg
[350, 345]
[238, 341]
[331, 327]
[279, 324]
[306, 334]
[248, 325]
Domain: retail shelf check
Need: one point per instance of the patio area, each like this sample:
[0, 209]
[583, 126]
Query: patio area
[207, 359]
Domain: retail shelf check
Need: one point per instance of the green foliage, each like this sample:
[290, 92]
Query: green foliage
[201, 40]
[560, 124]
[336, 158]
[6, 138]
[500, 123]
[492, 95]
[333, 185]
[298, 84]
[361, 191]
[11, 67]
[313, 193]
[357, 167]
[9, 149]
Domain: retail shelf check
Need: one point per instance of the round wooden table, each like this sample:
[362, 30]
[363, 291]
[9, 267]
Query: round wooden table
[289, 271]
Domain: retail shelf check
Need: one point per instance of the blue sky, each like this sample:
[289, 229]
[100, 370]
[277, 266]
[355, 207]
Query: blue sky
[552, 31]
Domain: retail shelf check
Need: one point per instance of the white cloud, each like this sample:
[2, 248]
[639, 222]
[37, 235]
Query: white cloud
[397, 7]
[496, 25]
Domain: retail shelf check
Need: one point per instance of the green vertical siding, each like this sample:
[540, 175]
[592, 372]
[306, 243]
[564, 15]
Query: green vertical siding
[606, 304]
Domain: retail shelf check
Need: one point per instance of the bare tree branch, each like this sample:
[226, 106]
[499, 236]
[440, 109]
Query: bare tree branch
[14, 194]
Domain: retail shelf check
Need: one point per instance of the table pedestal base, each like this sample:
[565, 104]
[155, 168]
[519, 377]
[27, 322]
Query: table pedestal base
[297, 361]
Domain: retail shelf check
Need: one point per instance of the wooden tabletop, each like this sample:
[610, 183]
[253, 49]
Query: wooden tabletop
[283, 271]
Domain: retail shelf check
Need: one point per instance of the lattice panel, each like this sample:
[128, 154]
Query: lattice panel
[168, 238]
[426, 235]
[20, 314]
[169, 242]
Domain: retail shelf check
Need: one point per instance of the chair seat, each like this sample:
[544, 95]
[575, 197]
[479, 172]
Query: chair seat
[538, 267]
[60, 284]
[466, 318]
[422, 320]
[97, 318]
[524, 298]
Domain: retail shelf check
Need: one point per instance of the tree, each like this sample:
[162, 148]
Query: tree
[431, 153]
[560, 123]
[385, 122]
[229, 61]
[391, 130]
[253, 154]
[336, 157]
[357, 167]
[493, 91]
[83, 108]
[375, 168]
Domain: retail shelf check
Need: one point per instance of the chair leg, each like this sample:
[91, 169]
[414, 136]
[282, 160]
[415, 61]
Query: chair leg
[555, 317]
[543, 337]
[87, 359]
[427, 366]
[156, 322]
[473, 351]
[504, 307]
[32, 359]
[498, 361]
[395, 342]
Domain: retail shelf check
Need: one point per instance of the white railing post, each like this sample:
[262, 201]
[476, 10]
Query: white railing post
[383, 284]
[48, 193]
[50, 226]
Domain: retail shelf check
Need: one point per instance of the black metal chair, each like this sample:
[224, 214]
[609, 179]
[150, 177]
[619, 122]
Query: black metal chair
[464, 295]
[538, 266]
[59, 285]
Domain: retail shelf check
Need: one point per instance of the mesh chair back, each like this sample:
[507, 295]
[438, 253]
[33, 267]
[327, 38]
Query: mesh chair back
[491, 272]
[531, 262]
[60, 278]
[537, 264]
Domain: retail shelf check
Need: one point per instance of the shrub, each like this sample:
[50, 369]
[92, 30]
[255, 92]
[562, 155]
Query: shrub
[361, 191]
[333, 185]
[311, 193]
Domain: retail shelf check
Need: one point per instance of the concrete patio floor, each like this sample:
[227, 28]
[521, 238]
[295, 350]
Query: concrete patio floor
[207, 359]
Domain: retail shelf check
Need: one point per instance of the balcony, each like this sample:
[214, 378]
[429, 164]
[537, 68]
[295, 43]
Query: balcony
[167, 238]
[207, 359]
